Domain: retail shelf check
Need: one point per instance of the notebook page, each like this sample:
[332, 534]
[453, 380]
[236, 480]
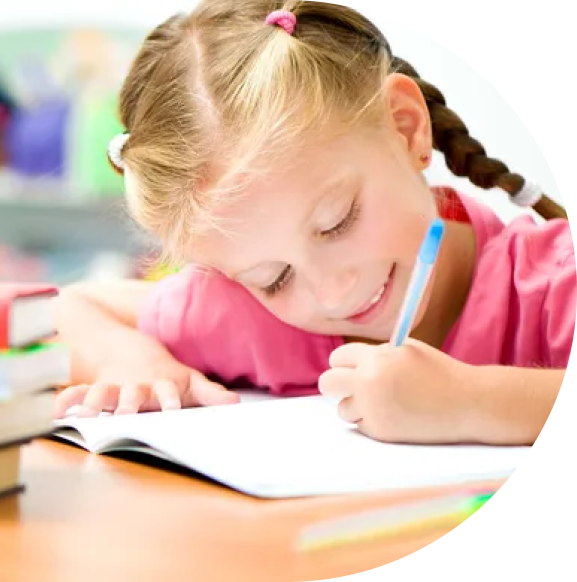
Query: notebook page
[299, 446]
[97, 435]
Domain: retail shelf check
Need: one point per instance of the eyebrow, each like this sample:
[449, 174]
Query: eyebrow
[333, 186]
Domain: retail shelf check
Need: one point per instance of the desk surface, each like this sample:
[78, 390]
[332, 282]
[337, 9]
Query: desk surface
[93, 518]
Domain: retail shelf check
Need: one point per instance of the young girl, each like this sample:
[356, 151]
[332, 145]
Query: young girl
[278, 149]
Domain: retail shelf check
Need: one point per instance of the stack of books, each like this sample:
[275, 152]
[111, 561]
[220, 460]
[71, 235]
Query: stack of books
[31, 367]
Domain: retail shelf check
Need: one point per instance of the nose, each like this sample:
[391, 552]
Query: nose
[332, 291]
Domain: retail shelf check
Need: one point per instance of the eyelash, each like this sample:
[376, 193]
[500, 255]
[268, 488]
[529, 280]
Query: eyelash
[338, 230]
[280, 283]
[345, 224]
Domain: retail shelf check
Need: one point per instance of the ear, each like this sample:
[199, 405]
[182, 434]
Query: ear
[409, 117]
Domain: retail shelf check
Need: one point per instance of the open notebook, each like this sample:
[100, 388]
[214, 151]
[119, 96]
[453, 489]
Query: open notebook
[291, 447]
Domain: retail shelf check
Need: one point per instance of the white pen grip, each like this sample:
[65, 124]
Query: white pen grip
[417, 287]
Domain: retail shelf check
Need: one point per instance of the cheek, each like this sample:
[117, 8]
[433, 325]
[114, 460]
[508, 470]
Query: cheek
[290, 307]
[394, 228]
[383, 234]
[295, 307]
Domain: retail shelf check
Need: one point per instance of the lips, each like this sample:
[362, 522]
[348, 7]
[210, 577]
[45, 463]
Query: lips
[376, 298]
[379, 298]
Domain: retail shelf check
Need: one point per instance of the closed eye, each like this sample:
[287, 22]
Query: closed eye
[280, 283]
[338, 230]
[345, 224]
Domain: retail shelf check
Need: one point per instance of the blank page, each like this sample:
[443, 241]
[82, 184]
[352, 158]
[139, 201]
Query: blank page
[299, 446]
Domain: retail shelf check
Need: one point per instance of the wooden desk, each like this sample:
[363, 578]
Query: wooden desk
[86, 518]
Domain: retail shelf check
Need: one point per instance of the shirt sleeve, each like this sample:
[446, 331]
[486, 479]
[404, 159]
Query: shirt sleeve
[217, 327]
[168, 315]
[559, 311]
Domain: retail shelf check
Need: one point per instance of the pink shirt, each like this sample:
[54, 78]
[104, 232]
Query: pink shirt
[520, 311]
[522, 304]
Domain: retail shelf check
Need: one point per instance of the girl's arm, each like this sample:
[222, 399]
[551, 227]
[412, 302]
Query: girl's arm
[117, 367]
[96, 320]
[512, 404]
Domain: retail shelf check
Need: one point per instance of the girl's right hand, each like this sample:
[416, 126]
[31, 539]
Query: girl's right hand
[143, 384]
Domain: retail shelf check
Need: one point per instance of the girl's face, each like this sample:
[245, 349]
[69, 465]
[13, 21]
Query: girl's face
[328, 243]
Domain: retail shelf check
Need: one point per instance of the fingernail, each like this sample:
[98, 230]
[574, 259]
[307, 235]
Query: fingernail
[120, 411]
[172, 405]
[126, 409]
[230, 398]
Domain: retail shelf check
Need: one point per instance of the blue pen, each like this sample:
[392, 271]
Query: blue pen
[418, 282]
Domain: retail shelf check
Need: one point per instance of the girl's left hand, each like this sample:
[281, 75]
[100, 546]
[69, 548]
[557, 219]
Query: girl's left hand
[412, 393]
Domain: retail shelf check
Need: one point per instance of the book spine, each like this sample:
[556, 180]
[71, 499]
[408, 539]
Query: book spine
[20, 488]
[24, 439]
[27, 439]
[8, 293]
[12, 394]
[5, 309]
[39, 339]
[16, 443]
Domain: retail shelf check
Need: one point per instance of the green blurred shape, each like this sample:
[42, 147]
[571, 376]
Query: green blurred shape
[94, 124]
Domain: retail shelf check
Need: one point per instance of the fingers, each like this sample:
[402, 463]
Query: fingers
[350, 355]
[167, 394]
[204, 392]
[132, 397]
[348, 410]
[100, 396]
[338, 382]
[69, 397]
[125, 399]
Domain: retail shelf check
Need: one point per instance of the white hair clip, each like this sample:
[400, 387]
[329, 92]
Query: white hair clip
[528, 196]
[115, 148]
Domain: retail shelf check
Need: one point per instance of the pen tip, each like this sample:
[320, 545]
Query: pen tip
[432, 241]
[437, 228]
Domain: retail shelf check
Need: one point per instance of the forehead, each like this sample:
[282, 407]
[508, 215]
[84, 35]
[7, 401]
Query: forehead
[264, 214]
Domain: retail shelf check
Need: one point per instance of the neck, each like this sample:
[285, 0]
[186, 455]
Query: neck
[453, 277]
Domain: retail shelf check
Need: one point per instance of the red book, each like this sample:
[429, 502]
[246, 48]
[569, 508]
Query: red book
[26, 314]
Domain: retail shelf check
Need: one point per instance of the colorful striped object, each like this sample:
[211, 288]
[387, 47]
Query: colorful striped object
[408, 518]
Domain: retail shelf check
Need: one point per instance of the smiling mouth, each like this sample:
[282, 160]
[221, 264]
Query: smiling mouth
[379, 298]
[372, 302]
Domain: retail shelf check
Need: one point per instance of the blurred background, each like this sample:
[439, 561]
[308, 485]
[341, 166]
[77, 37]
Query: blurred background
[62, 216]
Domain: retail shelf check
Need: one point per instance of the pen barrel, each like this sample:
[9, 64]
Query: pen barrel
[417, 287]
[418, 282]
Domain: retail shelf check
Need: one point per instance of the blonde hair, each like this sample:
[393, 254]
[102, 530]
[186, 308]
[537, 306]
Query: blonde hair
[211, 92]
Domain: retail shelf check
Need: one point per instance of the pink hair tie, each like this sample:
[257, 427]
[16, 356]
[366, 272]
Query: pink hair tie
[282, 18]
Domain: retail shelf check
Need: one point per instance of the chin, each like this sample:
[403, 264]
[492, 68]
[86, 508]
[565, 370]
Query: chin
[372, 335]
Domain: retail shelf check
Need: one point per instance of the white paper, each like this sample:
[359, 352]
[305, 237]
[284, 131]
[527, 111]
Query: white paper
[296, 447]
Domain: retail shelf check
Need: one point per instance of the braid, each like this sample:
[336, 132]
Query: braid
[464, 155]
